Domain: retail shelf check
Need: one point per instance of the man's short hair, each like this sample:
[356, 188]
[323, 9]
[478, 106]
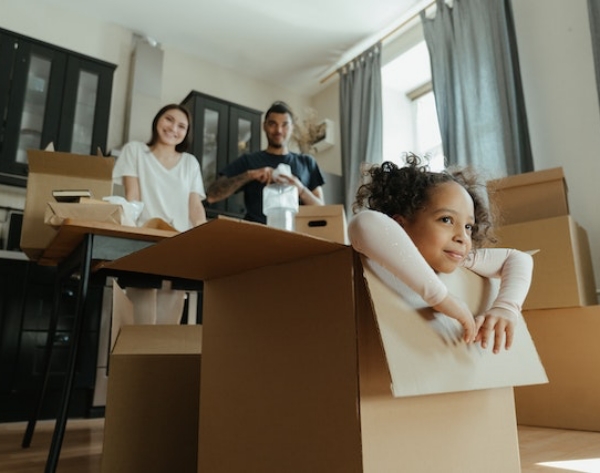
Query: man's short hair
[280, 107]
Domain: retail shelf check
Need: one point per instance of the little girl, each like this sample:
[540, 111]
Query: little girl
[417, 223]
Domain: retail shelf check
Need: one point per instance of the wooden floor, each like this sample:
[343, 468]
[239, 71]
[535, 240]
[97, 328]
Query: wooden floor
[542, 450]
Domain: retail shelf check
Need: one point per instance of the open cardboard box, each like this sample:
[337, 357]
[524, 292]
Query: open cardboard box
[312, 362]
[50, 170]
[530, 196]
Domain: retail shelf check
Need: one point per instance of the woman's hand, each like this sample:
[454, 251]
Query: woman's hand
[457, 309]
[496, 324]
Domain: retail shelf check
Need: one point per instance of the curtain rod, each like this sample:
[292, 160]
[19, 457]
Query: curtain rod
[386, 36]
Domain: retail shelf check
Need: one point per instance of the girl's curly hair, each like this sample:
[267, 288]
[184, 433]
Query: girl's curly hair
[405, 190]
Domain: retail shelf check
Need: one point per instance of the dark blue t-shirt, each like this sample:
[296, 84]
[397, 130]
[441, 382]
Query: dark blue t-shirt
[303, 166]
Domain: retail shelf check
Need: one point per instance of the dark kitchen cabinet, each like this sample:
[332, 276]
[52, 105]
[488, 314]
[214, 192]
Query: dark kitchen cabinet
[49, 95]
[222, 131]
[26, 296]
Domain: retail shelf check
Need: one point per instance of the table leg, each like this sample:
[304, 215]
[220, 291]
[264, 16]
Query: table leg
[35, 414]
[61, 420]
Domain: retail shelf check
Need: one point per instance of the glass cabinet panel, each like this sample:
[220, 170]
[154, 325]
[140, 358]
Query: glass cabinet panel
[244, 136]
[210, 146]
[34, 107]
[85, 111]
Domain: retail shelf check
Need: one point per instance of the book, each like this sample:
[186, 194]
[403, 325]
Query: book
[70, 195]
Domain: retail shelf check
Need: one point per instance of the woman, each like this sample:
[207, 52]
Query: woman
[161, 175]
[168, 182]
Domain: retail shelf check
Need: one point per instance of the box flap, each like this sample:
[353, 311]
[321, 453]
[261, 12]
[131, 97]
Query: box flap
[527, 178]
[69, 164]
[309, 211]
[423, 349]
[159, 340]
[242, 246]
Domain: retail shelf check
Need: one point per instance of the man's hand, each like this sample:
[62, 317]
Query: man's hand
[263, 175]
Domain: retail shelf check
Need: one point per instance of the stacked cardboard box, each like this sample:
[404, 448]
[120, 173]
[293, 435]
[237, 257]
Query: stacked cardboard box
[323, 221]
[560, 310]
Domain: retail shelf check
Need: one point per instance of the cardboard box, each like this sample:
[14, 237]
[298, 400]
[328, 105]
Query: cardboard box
[530, 196]
[49, 170]
[57, 212]
[562, 272]
[323, 221]
[151, 417]
[567, 341]
[310, 363]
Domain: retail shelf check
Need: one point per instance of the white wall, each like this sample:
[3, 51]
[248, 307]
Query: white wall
[327, 105]
[557, 68]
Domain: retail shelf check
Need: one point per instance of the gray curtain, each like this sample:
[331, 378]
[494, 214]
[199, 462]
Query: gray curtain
[360, 118]
[594, 16]
[477, 86]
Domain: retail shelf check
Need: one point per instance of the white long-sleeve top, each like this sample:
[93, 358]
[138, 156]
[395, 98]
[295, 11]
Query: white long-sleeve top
[384, 241]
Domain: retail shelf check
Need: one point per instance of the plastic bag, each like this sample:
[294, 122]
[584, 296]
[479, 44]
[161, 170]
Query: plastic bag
[131, 210]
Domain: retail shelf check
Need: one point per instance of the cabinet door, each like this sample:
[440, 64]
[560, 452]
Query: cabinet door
[85, 107]
[209, 137]
[244, 137]
[34, 98]
[222, 131]
[49, 95]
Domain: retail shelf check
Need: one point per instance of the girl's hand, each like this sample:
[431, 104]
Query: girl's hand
[496, 324]
[457, 309]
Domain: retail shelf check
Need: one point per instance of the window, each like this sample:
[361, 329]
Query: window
[409, 114]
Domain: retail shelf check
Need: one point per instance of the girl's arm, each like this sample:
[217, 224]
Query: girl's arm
[514, 268]
[384, 241]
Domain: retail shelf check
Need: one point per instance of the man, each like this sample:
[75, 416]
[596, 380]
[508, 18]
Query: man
[253, 171]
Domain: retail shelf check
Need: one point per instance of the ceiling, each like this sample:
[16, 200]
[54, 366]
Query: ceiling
[295, 44]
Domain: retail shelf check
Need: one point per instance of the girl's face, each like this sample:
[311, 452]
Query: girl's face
[172, 127]
[442, 230]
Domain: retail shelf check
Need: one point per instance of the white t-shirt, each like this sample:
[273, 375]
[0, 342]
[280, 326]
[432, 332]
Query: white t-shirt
[384, 241]
[164, 192]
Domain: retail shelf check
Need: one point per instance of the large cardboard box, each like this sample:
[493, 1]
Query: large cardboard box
[324, 221]
[313, 362]
[567, 341]
[50, 170]
[562, 274]
[151, 417]
[530, 196]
